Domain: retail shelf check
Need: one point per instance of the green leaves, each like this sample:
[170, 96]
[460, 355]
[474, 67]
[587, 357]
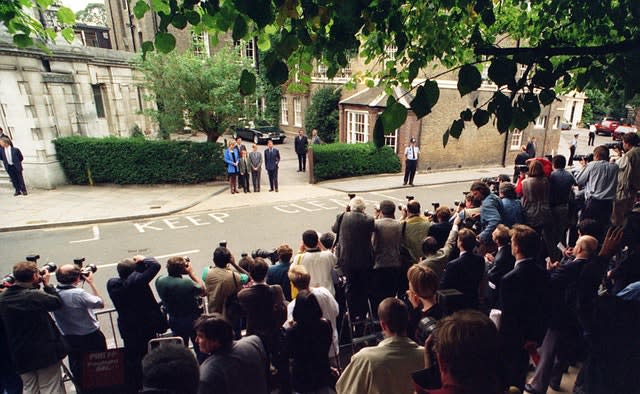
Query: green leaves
[165, 42]
[480, 117]
[547, 96]
[502, 71]
[394, 115]
[469, 79]
[22, 40]
[247, 83]
[240, 28]
[68, 34]
[278, 73]
[66, 16]
[161, 6]
[140, 9]
[426, 97]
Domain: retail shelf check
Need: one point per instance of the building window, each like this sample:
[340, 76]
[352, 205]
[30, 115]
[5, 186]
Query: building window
[556, 123]
[284, 111]
[246, 49]
[322, 71]
[198, 44]
[516, 139]
[392, 140]
[390, 51]
[357, 127]
[297, 112]
[345, 72]
[541, 122]
[97, 97]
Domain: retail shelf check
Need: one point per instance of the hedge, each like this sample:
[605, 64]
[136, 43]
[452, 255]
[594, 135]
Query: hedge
[137, 161]
[344, 160]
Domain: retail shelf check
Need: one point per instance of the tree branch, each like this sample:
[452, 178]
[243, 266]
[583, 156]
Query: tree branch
[620, 47]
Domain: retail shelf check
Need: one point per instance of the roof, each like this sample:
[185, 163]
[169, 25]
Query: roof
[376, 97]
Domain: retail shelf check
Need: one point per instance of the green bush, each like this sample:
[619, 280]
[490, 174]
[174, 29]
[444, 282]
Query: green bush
[137, 161]
[322, 114]
[344, 160]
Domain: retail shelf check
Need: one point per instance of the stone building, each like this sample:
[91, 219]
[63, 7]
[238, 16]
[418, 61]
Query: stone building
[74, 90]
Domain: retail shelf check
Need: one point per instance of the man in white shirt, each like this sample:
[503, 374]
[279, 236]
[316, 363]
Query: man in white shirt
[411, 154]
[300, 278]
[319, 263]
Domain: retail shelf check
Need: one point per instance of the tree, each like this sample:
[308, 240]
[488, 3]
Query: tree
[199, 92]
[322, 114]
[93, 14]
[532, 48]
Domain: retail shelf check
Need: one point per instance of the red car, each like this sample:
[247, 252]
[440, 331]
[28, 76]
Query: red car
[606, 126]
[622, 130]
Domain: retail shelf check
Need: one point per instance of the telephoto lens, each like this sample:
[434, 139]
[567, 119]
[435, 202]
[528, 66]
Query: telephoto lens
[50, 267]
[89, 268]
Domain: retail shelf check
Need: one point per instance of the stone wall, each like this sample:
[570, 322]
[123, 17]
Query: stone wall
[45, 96]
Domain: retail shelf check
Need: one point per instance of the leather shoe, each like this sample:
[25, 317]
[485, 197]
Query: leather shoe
[16, 193]
[530, 389]
[24, 193]
[270, 190]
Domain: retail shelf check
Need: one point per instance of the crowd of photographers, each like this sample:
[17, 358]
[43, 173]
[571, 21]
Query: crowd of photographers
[544, 273]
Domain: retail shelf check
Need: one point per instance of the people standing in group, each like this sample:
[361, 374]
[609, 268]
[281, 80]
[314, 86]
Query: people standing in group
[592, 134]
[315, 138]
[231, 158]
[76, 318]
[244, 169]
[628, 178]
[532, 146]
[521, 160]
[255, 160]
[572, 149]
[12, 161]
[240, 146]
[271, 162]
[301, 144]
[139, 315]
[35, 343]
[599, 179]
[411, 154]
[387, 266]
[181, 298]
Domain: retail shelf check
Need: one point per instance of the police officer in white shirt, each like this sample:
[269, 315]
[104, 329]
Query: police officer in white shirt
[411, 154]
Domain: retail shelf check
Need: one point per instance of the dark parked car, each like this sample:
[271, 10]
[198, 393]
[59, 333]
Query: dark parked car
[261, 134]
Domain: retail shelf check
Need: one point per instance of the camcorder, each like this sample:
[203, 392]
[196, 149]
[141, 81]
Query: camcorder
[84, 271]
[409, 198]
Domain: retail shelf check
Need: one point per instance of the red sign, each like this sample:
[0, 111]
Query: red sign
[103, 369]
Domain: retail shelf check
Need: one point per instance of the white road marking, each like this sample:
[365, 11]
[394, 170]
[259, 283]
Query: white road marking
[389, 197]
[96, 236]
[184, 253]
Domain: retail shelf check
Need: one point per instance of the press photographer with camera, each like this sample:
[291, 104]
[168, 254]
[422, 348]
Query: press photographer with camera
[181, 298]
[35, 344]
[139, 315]
[76, 318]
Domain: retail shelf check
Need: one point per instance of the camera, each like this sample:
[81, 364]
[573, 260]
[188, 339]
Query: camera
[522, 168]
[272, 254]
[426, 326]
[78, 261]
[49, 267]
[409, 198]
[351, 195]
[33, 258]
[223, 244]
[587, 158]
[435, 205]
[91, 268]
[612, 145]
[7, 281]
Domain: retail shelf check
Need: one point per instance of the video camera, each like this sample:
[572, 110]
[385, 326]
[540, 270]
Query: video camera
[272, 254]
[522, 168]
[612, 145]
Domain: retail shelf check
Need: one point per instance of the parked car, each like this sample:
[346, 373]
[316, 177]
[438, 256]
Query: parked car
[606, 126]
[261, 134]
[622, 130]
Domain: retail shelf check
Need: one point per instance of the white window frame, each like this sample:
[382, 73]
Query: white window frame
[357, 127]
[516, 139]
[391, 140]
[297, 112]
[541, 122]
[556, 123]
[284, 111]
[390, 51]
[321, 71]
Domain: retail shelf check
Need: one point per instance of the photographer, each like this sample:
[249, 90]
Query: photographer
[599, 179]
[180, 297]
[628, 178]
[139, 315]
[490, 211]
[76, 318]
[35, 344]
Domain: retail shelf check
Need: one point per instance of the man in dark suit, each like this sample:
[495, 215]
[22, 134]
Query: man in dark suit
[355, 254]
[532, 147]
[521, 160]
[525, 299]
[271, 161]
[301, 143]
[501, 263]
[466, 272]
[12, 160]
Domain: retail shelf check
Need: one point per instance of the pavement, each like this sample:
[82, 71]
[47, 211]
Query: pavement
[71, 205]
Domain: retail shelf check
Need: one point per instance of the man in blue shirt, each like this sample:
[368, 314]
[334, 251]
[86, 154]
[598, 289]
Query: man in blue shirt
[599, 179]
[278, 273]
[76, 318]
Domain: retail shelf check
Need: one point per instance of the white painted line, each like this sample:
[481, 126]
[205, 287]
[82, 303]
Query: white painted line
[186, 252]
[96, 236]
[389, 197]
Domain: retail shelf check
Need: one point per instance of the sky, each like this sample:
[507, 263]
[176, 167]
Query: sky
[77, 5]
